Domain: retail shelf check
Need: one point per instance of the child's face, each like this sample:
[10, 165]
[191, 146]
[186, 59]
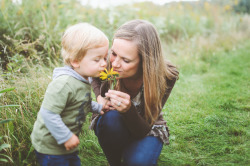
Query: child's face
[93, 62]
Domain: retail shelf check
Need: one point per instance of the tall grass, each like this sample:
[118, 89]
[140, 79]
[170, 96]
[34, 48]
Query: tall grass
[207, 112]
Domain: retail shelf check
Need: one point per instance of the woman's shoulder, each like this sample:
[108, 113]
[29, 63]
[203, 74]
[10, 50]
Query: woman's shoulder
[172, 73]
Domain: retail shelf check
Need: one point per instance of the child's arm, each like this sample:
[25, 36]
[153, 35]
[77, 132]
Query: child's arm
[97, 108]
[58, 129]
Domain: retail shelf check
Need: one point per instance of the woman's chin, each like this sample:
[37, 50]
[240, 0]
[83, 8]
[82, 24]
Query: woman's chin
[118, 77]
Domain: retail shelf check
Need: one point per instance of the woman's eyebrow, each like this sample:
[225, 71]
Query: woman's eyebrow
[123, 57]
[113, 52]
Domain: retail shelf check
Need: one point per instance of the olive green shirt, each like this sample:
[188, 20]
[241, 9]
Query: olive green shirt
[71, 99]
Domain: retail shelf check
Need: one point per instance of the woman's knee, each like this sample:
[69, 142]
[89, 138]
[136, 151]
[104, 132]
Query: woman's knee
[144, 152]
[112, 125]
[111, 122]
[139, 161]
[111, 130]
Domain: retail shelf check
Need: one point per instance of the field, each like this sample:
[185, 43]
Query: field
[207, 112]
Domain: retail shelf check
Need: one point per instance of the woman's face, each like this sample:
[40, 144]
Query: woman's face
[125, 59]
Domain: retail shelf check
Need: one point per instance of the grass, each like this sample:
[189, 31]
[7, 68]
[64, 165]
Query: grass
[208, 111]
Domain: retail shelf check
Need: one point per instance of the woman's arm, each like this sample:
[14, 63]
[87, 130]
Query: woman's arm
[96, 85]
[136, 124]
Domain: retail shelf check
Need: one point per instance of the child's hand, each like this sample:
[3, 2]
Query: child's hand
[105, 109]
[105, 103]
[72, 142]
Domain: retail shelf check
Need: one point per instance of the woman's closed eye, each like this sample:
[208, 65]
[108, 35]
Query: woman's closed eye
[114, 54]
[126, 60]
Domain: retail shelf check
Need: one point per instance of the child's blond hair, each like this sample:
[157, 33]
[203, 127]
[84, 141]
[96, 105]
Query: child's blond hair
[77, 39]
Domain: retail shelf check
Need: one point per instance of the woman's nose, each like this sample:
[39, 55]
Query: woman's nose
[116, 63]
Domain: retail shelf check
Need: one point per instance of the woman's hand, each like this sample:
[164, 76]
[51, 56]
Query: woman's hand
[119, 101]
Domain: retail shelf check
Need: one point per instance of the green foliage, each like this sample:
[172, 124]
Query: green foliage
[33, 29]
[3, 146]
[207, 110]
[28, 95]
[243, 6]
[3, 157]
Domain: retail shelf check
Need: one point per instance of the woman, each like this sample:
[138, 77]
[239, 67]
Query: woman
[134, 131]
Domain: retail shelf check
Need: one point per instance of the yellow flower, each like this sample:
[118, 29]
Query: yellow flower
[104, 75]
[236, 2]
[108, 74]
[227, 7]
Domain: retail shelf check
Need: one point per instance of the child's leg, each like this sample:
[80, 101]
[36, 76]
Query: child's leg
[112, 135]
[42, 159]
[58, 160]
[74, 160]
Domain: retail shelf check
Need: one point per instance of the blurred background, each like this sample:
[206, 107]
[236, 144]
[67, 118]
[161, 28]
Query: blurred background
[208, 40]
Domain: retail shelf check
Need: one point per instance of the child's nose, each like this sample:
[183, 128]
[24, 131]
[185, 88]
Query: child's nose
[104, 63]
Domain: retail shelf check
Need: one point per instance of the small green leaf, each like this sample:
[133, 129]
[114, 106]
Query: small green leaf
[9, 106]
[5, 121]
[3, 160]
[7, 90]
[4, 146]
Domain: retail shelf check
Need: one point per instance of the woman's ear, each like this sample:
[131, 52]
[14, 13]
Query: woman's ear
[75, 63]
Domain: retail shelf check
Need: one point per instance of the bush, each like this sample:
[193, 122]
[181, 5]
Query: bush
[243, 6]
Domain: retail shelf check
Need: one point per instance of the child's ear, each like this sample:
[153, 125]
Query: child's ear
[75, 63]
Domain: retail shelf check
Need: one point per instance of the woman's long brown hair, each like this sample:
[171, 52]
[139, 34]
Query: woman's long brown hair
[154, 68]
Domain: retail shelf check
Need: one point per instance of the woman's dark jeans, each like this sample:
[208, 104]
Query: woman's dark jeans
[118, 144]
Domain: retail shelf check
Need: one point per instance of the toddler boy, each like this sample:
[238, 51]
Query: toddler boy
[68, 97]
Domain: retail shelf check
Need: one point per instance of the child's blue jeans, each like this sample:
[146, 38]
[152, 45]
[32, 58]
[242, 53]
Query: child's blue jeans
[118, 144]
[58, 160]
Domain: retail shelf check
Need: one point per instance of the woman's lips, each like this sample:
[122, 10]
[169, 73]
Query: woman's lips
[117, 71]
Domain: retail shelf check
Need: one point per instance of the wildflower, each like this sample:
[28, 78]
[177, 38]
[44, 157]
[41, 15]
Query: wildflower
[236, 2]
[109, 76]
[227, 7]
